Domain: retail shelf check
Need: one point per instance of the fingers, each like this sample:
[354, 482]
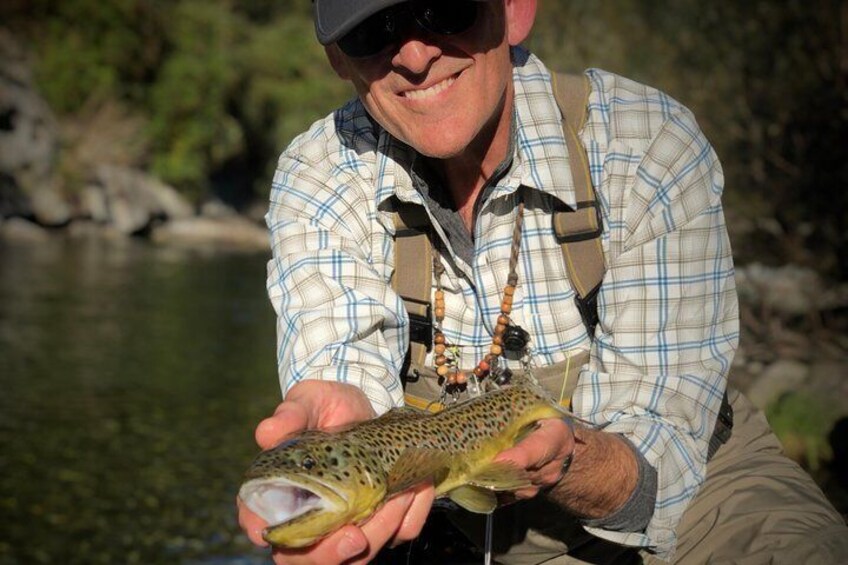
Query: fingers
[339, 547]
[542, 454]
[416, 515]
[251, 524]
[357, 545]
[385, 524]
[289, 418]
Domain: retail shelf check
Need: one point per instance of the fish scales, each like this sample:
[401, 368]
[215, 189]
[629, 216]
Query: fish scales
[313, 484]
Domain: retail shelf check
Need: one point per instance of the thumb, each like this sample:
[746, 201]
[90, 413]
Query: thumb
[289, 418]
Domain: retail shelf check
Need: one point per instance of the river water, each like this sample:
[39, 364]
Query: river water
[131, 378]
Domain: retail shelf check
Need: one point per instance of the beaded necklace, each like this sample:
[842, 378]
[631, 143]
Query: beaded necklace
[451, 377]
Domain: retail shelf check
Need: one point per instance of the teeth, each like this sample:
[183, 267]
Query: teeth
[427, 92]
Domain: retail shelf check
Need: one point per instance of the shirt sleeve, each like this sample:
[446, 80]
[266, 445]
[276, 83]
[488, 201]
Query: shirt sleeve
[337, 318]
[668, 316]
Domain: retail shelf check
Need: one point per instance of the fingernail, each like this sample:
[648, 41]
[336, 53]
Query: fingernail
[350, 546]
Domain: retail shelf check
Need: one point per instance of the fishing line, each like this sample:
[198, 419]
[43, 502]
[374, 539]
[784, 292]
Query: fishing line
[565, 378]
[487, 559]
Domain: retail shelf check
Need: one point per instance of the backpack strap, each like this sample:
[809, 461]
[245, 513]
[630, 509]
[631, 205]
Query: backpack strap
[412, 278]
[579, 231]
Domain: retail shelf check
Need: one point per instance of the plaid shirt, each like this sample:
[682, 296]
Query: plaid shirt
[668, 312]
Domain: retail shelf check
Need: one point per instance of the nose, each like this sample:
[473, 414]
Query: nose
[415, 55]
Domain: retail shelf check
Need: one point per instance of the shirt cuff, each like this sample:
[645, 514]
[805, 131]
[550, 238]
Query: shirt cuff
[637, 512]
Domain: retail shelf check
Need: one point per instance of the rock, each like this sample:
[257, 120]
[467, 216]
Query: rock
[789, 290]
[134, 198]
[216, 209]
[13, 202]
[49, 208]
[18, 229]
[780, 377]
[93, 204]
[256, 210]
[29, 133]
[228, 233]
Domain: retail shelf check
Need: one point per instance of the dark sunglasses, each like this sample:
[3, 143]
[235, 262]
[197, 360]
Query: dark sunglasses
[390, 26]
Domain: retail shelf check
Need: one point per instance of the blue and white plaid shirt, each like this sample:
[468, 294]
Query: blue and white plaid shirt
[668, 311]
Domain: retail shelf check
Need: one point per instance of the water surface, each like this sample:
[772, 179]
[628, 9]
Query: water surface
[131, 378]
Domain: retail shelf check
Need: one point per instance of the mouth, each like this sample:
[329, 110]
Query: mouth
[431, 91]
[278, 501]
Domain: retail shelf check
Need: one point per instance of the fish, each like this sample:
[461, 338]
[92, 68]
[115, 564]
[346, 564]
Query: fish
[312, 484]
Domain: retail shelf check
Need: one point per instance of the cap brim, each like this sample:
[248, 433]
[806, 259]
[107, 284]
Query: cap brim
[334, 18]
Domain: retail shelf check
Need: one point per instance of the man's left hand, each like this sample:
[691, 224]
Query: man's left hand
[542, 454]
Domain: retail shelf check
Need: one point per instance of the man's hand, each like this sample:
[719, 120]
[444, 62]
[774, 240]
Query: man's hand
[600, 479]
[322, 405]
[542, 454]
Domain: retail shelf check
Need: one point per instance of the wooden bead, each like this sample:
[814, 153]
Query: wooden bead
[479, 372]
[509, 290]
[496, 349]
[452, 379]
[497, 339]
[439, 338]
[440, 360]
[439, 313]
[499, 330]
[484, 366]
[503, 319]
[461, 378]
[442, 370]
[439, 348]
[440, 295]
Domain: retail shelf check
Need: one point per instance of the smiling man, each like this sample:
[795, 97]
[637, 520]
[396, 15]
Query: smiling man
[456, 124]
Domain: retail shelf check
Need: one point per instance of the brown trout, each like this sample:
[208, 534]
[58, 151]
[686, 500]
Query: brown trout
[311, 485]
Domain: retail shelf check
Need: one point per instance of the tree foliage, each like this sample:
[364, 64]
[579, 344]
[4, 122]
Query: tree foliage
[225, 85]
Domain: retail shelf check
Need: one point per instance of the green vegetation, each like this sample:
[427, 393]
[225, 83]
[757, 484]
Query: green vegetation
[223, 86]
[802, 422]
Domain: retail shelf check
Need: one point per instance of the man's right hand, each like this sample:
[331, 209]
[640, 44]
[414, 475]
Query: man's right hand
[323, 405]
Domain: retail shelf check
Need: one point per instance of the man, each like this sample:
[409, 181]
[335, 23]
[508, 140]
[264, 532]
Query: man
[453, 117]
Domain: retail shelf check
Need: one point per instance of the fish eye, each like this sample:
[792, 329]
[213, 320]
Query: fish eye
[308, 463]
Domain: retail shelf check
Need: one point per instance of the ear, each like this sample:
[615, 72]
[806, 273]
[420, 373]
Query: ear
[520, 15]
[337, 61]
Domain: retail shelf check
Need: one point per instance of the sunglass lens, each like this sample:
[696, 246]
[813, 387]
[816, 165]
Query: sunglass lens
[371, 36]
[445, 16]
[384, 28]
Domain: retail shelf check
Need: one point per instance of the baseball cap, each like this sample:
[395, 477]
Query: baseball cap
[334, 18]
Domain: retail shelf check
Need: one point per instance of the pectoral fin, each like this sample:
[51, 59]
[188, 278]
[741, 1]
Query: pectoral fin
[416, 466]
[474, 499]
[500, 475]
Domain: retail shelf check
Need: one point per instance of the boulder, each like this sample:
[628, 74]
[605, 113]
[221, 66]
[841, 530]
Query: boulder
[29, 137]
[232, 232]
[788, 290]
[134, 199]
[780, 377]
[18, 229]
[48, 207]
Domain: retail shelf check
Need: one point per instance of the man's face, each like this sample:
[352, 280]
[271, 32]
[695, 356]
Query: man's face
[437, 92]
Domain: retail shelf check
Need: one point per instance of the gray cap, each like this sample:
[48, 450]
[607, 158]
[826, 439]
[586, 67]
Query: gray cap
[334, 18]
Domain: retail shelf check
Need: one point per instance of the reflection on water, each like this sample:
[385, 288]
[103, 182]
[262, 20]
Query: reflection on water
[131, 378]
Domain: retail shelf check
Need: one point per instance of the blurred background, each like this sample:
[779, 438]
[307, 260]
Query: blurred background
[137, 143]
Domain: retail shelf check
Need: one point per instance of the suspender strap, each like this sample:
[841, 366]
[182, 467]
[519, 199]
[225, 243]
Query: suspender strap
[579, 231]
[413, 275]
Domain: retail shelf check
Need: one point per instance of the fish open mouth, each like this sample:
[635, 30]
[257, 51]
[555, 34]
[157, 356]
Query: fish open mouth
[278, 501]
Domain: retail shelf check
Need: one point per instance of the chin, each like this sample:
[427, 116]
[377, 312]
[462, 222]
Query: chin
[441, 148]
